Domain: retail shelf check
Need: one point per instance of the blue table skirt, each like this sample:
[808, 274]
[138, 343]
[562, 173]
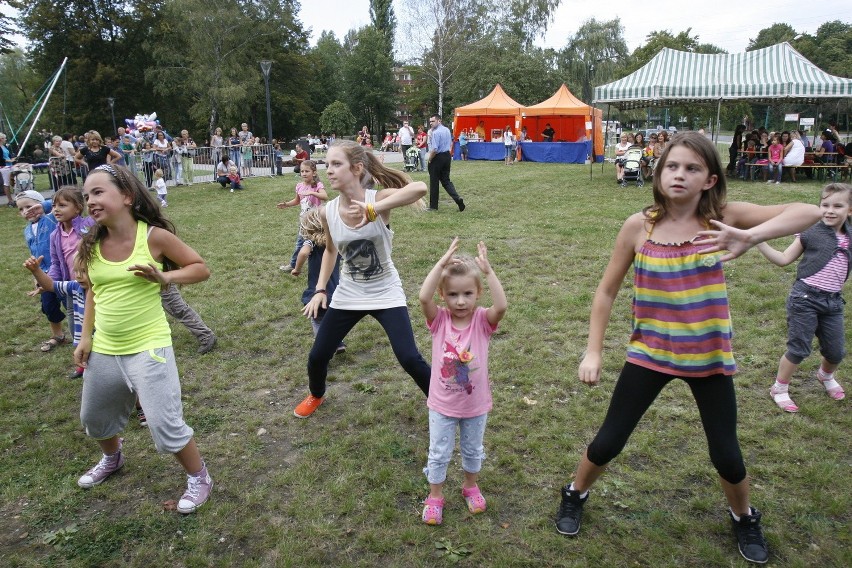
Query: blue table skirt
[553, 152]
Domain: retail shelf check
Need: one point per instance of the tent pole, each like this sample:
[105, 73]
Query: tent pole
[606, 134]
[716, 124]
[23, 145]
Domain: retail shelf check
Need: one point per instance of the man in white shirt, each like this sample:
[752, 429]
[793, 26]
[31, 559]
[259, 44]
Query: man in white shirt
[406, 137]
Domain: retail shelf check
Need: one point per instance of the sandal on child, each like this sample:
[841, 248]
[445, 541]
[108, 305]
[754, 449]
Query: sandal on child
[433, 511]
[783, 400]
[832, 387]
[474, 499]
[53, 342]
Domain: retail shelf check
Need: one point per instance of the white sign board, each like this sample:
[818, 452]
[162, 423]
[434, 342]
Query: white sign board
[793, 117]
[806, 121]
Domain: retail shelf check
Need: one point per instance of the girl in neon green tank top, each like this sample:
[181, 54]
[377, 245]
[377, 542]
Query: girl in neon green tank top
[130, 254]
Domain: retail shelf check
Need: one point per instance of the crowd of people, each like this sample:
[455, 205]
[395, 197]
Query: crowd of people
[769, 153]
[126, 249]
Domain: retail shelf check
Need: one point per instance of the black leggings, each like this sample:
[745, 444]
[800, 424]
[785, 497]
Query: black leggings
[637, 388]
[337, 323]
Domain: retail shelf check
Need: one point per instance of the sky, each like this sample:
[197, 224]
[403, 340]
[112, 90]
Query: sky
[728, 27]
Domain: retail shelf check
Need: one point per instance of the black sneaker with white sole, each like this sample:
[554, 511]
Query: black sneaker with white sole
[570, 512]
[750, 539]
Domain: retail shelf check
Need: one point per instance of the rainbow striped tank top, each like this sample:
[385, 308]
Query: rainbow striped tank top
[681, 321]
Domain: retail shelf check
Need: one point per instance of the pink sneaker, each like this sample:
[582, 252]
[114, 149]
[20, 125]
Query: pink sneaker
[433, 511]
[108, 465]
[474, 499]
[198, 488]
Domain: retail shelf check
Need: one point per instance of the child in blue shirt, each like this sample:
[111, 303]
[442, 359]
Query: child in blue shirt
[40, 225]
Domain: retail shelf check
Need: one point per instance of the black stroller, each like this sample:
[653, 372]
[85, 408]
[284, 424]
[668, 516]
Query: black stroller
[412, 159]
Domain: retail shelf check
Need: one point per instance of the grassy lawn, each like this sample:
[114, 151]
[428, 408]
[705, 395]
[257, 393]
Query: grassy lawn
[344, 487]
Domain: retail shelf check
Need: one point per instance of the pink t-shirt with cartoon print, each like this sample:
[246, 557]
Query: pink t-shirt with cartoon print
[459, 386]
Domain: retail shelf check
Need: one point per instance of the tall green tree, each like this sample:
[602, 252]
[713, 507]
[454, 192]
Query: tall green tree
[325, 67]
[206, 60]
[368, 76]
[103, 42]
[594, 55]
[384, 20]
[439, 36]
[6, 29]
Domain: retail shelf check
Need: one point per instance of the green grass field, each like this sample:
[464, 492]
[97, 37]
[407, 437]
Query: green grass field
[344, 487]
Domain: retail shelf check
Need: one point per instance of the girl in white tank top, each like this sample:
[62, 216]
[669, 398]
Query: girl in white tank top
[358, 227]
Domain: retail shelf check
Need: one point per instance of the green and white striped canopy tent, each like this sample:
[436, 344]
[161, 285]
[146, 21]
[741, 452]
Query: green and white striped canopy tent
[774, 74]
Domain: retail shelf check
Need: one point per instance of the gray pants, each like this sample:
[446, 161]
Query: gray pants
[442, 441]
[176, 306]
[814, 312]
[111, 384]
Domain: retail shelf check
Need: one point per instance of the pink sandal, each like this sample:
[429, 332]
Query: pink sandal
[832, 387]
[474, 499]
[783, 400]
[433, 511]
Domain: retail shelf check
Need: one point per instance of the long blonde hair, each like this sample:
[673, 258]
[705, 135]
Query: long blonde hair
[375, 171]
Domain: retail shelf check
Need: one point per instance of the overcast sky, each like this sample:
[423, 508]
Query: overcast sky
[719, 23]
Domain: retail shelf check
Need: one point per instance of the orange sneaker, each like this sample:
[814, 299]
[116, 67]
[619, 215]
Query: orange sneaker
[308, 406]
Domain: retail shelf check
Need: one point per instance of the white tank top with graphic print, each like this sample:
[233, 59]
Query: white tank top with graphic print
[368, 278]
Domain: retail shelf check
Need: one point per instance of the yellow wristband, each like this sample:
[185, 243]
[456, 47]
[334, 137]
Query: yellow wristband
[371, 213]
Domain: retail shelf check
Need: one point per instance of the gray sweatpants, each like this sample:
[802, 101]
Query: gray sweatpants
[111, 384]
[176, 306]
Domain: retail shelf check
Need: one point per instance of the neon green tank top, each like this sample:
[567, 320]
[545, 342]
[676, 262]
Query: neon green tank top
[129, 316]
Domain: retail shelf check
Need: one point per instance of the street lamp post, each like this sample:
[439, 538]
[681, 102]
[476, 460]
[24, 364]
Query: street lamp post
[111, 102]
[265, 66]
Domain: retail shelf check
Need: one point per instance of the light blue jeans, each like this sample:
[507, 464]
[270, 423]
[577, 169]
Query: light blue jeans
[442, 441]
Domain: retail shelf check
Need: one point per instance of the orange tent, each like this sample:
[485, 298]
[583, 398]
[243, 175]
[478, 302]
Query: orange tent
[496, 111]
[568, 116]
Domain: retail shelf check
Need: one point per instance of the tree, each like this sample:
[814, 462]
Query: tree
[6, 30]
[525, 19]
[438, 38]
[594, 54]
[528, 74]
[776, 33]
[325, 62]
[102, 40]
[384, 20]
[206, 55]
[18, 86]
[368, 75]
[336, 118]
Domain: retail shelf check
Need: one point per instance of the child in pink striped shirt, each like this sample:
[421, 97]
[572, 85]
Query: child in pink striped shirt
[815, 304]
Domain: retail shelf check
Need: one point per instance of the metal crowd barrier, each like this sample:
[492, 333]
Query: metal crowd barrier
[195, 165]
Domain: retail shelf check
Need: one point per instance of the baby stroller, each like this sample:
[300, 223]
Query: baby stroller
[412, 159]
[632, 167]
[22, 177]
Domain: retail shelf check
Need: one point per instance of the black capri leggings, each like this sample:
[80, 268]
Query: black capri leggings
[637, 388]
[337, 323]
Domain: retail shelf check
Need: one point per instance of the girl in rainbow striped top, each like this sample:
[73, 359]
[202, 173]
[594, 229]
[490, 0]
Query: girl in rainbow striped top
[681, 322]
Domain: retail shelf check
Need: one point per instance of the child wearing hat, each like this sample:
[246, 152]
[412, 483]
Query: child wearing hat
[40, 225]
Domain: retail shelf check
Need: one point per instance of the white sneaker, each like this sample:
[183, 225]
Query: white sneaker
[232, 190]
[770, 181]
[777, 183]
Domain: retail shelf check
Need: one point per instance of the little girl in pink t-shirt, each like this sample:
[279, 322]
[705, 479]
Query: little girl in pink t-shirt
[776, 155]
[310, 193]
[459, 391]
